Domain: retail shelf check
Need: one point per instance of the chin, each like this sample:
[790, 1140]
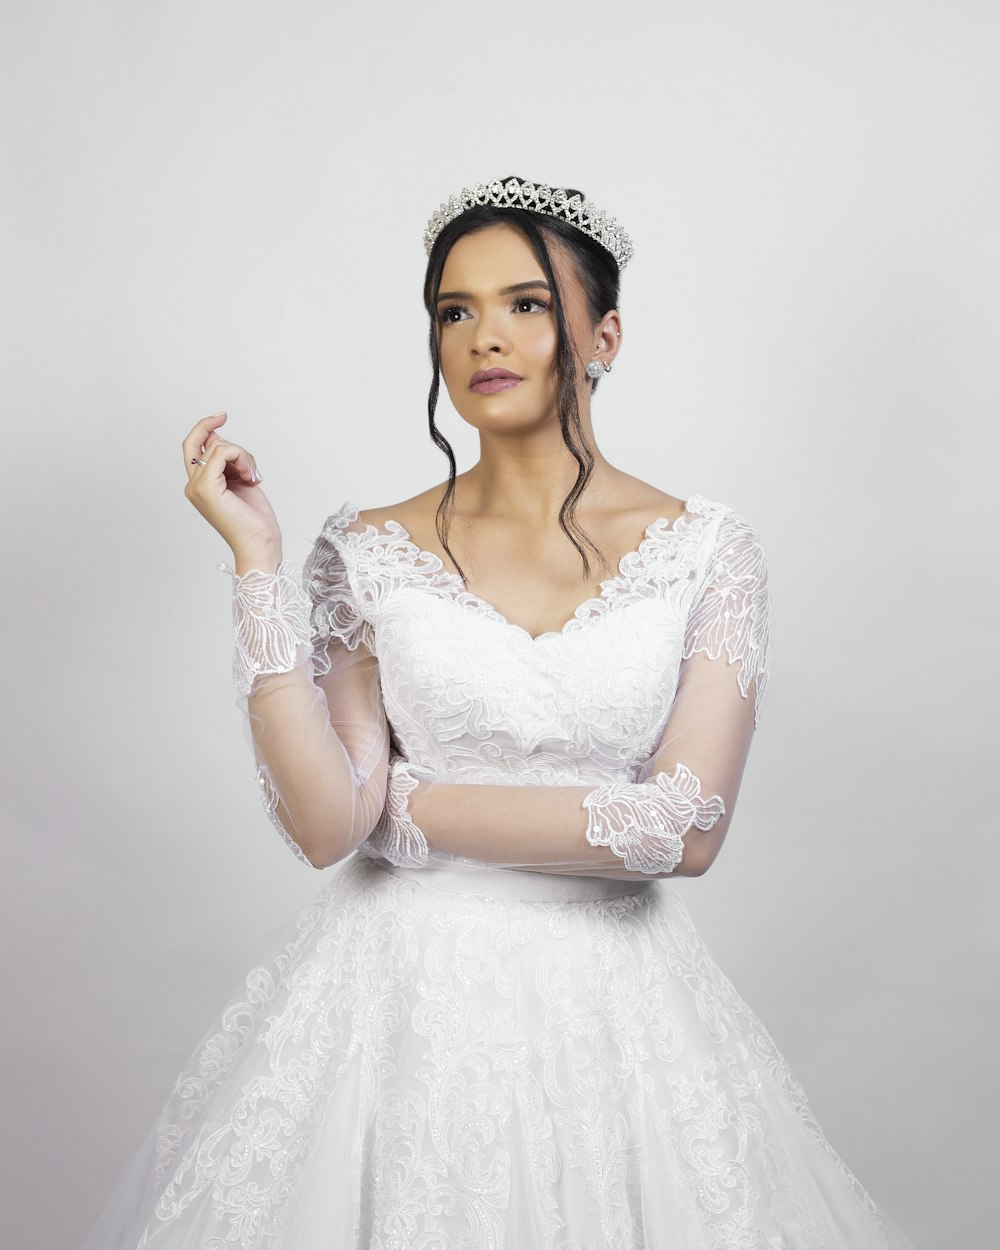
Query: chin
[509, 422]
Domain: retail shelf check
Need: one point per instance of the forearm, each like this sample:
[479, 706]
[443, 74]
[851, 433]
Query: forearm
[533, 828]
[313, 716]
[320, 796]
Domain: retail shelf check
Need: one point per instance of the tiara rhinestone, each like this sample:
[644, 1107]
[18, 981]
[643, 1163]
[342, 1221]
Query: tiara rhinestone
[539, 198]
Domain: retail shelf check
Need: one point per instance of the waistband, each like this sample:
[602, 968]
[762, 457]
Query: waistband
[512, 883]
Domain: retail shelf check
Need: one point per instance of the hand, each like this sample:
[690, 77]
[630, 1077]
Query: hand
[227, 490]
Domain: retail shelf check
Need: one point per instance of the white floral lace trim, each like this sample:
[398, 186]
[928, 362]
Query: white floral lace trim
[270, 622]
[396, 837]
[644, 823]
[335, 611]
[664, 556]
[276, 614]
[732, 613]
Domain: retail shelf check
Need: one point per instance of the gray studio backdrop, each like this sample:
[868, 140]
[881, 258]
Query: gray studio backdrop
[221, 205]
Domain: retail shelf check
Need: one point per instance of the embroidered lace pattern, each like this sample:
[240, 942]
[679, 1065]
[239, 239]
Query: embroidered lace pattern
[270, 622]
[281, 620]
[644, 823]
[524, 713]
[389, 557]
[480, 1069]
[696, 584]
[732, 615]
[388, 1024]
[542, 710]
[396, 838]
[335, 611]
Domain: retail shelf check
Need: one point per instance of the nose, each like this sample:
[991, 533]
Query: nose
[489, 335]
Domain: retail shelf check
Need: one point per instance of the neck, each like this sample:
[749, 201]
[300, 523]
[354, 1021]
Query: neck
[529, 474]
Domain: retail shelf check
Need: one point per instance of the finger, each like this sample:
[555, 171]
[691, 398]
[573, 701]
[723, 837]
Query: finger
[212, 465]
[195, 441]
[252, 477]
[207, 438]
[230, 460]
[246, 468]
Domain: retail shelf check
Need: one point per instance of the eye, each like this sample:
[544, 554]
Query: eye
[445, 313]
[530, 299]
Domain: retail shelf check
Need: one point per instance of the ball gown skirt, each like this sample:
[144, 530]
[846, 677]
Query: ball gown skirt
[457, 1056]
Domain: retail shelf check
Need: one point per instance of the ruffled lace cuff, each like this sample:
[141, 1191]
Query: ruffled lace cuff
[396, 837]
[271, 623]
[644, 823]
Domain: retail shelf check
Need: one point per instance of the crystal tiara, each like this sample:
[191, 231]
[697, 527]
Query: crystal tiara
[537, 199]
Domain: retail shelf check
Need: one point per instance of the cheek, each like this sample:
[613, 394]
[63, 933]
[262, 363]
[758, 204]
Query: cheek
[538, 343]
[455, 361]
[446, 350]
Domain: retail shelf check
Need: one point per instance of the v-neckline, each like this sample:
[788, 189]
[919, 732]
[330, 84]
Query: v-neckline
[434, 566]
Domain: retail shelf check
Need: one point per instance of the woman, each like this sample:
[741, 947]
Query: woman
[525, 698]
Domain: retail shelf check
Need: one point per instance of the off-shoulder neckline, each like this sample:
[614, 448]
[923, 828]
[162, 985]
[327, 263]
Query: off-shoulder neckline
[430, 563]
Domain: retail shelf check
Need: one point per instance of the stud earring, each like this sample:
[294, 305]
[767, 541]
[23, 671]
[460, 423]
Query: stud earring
[594, 369]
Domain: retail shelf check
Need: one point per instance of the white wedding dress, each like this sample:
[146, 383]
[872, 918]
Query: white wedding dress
[451, 1050]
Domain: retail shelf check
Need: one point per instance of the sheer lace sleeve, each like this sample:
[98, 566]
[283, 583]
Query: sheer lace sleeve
[307, 682]
[672, 817]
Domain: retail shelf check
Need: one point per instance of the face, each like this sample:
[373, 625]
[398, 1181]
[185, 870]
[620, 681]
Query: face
[495, 312]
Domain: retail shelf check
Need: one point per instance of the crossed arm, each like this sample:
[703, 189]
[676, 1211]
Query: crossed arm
[307, 680]
[671, 822]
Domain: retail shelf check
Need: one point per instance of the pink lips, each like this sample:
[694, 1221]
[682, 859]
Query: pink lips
[487, 381]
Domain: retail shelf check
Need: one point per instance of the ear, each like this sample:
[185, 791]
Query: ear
[607, 337]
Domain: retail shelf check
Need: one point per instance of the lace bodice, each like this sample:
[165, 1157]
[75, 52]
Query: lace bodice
[472, 697]
[468, 697]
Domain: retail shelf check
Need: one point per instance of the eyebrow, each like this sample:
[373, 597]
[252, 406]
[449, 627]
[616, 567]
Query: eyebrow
[506, 290]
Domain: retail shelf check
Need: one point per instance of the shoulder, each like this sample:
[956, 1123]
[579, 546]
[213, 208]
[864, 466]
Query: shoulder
[731, 528]
[717, 524]
[350, 519]
[414, 513]
[632, 502]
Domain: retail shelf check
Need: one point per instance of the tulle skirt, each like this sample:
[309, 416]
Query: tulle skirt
[458, 1057]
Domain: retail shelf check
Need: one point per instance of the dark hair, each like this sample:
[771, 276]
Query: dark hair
[600, 277]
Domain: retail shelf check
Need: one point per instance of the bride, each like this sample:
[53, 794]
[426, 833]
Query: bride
[508, 714]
